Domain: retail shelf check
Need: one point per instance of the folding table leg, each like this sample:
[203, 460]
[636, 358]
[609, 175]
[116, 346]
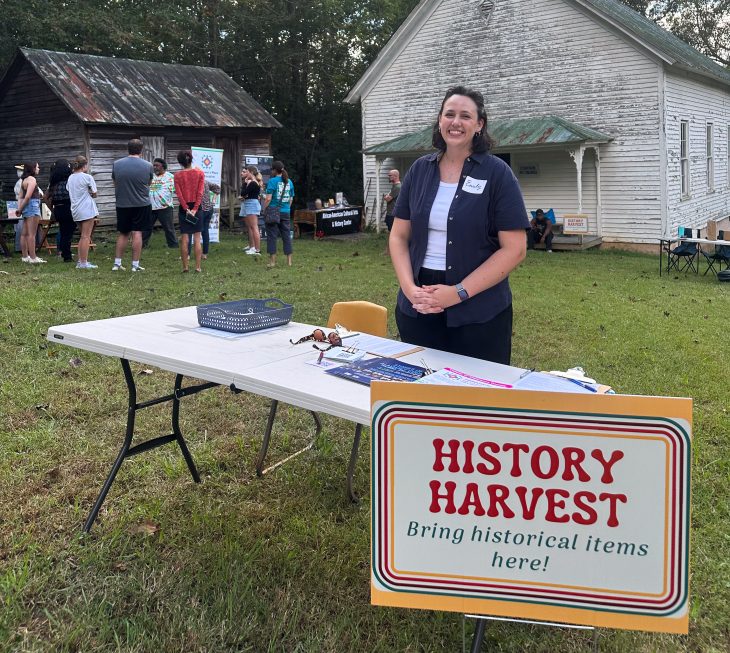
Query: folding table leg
[127, 450]
[261, 459]
[351, 467]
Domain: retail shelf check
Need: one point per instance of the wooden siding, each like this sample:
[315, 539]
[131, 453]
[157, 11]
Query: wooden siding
[556, 184]
[34, 126]
[536, 58]
[107, 144]
[699, 104]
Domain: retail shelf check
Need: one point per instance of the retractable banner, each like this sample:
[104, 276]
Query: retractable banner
[537, 505]
[210, 161]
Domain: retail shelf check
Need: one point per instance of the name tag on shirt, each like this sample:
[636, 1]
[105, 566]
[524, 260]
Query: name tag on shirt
[475, 186]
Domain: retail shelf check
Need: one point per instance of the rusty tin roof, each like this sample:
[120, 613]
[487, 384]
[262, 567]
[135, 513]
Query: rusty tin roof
[508, 134]
[146, 93]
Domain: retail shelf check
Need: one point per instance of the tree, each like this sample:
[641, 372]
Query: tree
[704, 24]
[297, 59]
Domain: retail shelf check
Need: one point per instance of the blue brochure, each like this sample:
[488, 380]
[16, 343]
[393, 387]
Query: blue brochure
[378, 369]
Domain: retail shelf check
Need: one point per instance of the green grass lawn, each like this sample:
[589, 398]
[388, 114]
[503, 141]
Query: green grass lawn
[282, 563]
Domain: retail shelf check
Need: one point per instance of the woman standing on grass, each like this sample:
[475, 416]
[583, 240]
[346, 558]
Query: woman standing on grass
[459, 230]
[277, 191]
[82, 191]
[207, 207]
[29, 208]
[58, 200]
[189, 185]
[251, 208]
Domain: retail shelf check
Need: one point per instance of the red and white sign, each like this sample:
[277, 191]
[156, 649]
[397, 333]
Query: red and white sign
[575, 224]
[549, 506]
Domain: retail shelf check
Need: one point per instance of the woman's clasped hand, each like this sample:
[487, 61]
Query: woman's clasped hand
[433, 299]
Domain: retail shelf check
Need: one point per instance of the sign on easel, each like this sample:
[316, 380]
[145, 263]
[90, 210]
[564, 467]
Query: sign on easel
[537, 505]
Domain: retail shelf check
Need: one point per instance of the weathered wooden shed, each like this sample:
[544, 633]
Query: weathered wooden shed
[57, 104]
[644, 117]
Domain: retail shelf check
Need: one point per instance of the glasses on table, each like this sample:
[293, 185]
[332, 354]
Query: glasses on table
[318, 335]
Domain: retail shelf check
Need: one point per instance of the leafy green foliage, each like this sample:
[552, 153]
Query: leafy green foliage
[297, 59]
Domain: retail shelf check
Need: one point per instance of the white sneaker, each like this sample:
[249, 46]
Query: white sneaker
[26, 259]
[119, 266]
[137, 268]
[37, 259]
[86, 266]
[250, 250]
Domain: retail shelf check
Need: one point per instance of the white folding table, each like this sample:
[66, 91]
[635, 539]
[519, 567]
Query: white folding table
[263, 362]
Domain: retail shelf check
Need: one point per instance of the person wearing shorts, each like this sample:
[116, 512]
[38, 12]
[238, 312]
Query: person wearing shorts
[81, 189]
[251, 208]
[29, 208]
[132, 176]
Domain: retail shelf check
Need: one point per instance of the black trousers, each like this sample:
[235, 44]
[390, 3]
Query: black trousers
[534, 235]
[66, 229]
[489, 341]
[166, 218]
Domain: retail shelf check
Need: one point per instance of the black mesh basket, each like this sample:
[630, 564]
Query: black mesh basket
[245, 315]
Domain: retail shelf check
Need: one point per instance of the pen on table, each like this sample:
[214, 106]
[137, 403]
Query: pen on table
[582, 384]
[526, 372]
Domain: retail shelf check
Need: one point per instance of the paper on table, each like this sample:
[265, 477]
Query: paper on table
[448, 376]
[382, 346]
[548, 383]
[344, 354]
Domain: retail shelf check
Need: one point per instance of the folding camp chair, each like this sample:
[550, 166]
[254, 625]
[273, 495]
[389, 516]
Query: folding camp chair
[549, 214]
[720, 255]
[684, 256]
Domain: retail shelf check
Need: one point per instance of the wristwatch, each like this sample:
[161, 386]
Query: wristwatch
[461, 291]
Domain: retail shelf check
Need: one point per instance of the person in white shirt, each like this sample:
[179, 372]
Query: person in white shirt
[82, 191]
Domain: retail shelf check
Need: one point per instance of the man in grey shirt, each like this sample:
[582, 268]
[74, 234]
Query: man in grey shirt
[132, 176]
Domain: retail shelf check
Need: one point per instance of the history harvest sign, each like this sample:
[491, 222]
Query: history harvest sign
[561, 507]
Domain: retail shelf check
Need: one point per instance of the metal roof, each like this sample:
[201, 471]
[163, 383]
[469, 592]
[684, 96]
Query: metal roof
[621, 17]
[146, 93]
[508, 134]
[648, 32]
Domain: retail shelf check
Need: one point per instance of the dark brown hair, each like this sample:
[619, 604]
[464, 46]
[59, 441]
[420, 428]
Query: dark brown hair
[184, 158]
[482, 141]
[278, 166]
[29, 169]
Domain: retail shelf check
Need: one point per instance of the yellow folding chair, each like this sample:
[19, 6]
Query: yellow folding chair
[365, 317]
[361, 316]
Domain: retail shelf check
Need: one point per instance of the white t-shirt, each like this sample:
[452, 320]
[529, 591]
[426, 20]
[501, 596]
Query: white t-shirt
[80, 186]
[436, 249]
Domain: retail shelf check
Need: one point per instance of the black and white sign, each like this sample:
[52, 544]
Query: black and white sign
[339, 220]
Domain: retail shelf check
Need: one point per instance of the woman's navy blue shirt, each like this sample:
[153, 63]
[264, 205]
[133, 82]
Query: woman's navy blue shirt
[474, 220]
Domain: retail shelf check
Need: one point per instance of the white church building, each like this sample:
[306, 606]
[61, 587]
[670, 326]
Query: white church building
[598, 110]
